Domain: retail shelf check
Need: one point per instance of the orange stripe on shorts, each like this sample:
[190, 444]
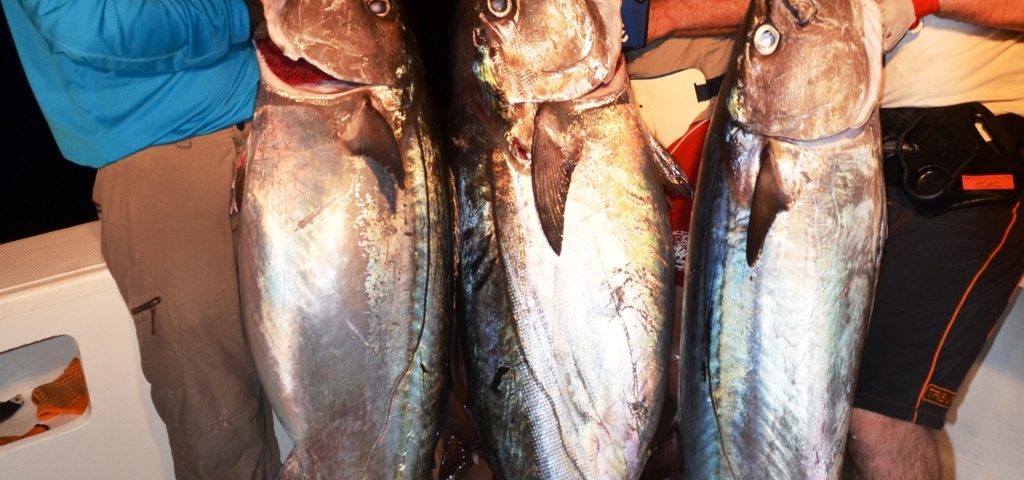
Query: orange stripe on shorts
[956, 313]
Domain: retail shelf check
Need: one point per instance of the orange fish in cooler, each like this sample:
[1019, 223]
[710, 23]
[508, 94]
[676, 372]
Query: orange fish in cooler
[67, 395]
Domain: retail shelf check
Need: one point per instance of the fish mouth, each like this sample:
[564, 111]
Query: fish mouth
[298, 78]
[612, 84]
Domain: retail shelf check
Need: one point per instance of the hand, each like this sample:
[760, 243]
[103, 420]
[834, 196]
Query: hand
[257, 24]
[897, 18]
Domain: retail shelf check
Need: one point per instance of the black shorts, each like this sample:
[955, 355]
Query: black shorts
[945, 282]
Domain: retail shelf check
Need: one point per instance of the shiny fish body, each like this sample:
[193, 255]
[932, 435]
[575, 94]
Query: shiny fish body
[566, 264]
[785, 242]
[345, 249]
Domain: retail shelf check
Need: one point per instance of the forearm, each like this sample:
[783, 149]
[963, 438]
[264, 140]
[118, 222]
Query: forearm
[695, 17]
[1008, 14]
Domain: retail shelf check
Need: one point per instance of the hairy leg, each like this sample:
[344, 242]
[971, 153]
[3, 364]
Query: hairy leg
[884, 448]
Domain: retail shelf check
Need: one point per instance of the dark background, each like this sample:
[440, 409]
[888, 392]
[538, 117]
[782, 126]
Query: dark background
[40, 191]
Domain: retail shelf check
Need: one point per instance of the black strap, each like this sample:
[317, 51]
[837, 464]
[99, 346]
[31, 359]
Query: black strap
[930, 150]
[707, 90]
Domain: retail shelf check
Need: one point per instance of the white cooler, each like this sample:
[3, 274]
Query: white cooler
[58, 301]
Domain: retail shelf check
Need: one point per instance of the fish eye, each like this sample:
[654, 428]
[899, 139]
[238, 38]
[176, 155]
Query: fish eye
[379, 7]
[766, 39]
[499, 8]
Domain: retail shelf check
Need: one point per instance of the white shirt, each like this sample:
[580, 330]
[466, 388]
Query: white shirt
[948, 62]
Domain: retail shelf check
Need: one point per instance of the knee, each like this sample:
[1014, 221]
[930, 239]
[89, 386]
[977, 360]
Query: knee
[885, 447]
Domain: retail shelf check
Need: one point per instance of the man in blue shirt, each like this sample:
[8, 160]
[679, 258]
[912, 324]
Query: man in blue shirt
[157, 95]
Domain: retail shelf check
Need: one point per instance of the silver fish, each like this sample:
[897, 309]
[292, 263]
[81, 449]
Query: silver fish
[784, 245]
[566, 264]
[345, 241]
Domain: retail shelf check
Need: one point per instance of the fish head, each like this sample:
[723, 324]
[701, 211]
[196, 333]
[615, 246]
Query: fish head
[329, 46]
[546, 50]
[807, 69]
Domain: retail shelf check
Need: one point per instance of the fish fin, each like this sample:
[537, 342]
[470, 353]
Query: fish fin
[370, 136]
[673, 176]
[551, 167]
[803, 10]
[291, 469]
[768, 200]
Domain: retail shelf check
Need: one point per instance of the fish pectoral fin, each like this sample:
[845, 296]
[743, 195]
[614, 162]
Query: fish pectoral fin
[768, 200]
[370, 136]
[551, 169]
[673, 177]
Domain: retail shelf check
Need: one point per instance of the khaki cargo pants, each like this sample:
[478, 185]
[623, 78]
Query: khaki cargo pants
[168, 240]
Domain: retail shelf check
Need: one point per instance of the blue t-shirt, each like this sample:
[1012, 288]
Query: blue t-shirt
[115, 76]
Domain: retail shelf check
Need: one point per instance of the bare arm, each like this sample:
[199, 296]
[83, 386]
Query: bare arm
[700, 17]
[697, 17]
[1008, 14]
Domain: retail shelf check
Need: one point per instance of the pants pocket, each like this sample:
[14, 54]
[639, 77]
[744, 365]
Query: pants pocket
[159, 342]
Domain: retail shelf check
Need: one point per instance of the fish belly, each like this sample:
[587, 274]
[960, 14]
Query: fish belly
[568, 352]
[771, 350]
[345, 293]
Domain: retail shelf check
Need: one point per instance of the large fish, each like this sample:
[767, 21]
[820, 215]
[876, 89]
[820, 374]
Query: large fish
[566, 261]
[784, 245]
[345, 241]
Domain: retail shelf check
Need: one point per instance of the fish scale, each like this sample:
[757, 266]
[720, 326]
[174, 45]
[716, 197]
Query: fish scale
[345, 248]
[566, 259]
[784, 246]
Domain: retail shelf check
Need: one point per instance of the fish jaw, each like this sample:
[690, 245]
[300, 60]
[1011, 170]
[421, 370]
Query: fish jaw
[517, 56]
[375, 50]
[297, 79]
